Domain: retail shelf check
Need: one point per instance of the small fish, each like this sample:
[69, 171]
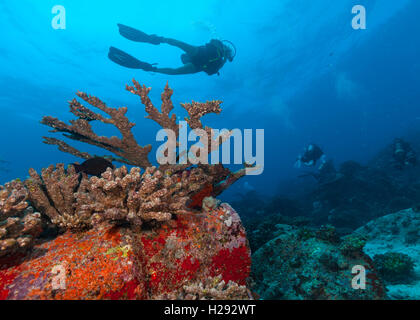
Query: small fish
[94, 166]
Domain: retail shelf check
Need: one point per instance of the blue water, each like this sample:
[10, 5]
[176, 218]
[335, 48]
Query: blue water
[301, 73]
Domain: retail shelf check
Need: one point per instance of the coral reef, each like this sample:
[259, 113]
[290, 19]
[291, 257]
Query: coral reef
[19, 225]
[398, 233]
[352, 244]
[299, 264]
[263, 229]
[356, 195]
[52, 193]
[157, 194]
[210, 244]
[76, 202]
[394, 267]
[126, 234]
[194, 256]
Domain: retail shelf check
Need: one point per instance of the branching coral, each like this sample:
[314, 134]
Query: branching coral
[52, 193]
[156, 194]
[126, 149]
[19, 225]
[74, 202]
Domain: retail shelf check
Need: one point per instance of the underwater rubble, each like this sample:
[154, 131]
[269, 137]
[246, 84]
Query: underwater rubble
[156, 234]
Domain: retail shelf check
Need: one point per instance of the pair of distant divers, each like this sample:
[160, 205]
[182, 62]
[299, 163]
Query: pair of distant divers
[208, 58]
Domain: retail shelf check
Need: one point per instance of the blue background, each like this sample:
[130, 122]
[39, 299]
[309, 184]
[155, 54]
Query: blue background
[301, 73]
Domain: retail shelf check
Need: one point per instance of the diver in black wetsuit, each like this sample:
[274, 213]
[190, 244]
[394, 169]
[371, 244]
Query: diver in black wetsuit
[310, 156]
[208, 58]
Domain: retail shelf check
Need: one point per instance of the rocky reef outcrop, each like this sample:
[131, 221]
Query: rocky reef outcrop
[304, 263]
[395, 239]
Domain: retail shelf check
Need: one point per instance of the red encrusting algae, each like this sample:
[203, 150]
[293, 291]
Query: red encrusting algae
[110, 262]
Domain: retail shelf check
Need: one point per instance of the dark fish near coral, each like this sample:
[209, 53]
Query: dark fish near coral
[94, 166]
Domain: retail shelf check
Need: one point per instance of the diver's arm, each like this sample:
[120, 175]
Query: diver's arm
[186, 69]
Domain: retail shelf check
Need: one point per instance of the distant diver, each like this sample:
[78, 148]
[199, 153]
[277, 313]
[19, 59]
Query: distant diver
[93, 166]
[311, 154]
[403, 154]
[209, 58]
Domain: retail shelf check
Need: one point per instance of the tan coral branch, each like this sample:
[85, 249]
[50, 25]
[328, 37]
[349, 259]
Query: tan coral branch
[126, 149]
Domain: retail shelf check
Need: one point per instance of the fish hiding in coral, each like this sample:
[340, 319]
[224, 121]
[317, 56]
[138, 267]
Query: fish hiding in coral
[94, 166]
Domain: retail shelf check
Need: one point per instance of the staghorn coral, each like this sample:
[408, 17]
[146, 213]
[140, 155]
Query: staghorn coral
[156, 194]
[127, 150]
[195, 110]
[19, 225]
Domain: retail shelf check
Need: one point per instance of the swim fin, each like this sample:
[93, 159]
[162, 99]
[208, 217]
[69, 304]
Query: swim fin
[128, 61]
[137, 35]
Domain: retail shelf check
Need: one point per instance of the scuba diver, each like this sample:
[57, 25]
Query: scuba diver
[312, 153]
[209, 58]
[403, 154]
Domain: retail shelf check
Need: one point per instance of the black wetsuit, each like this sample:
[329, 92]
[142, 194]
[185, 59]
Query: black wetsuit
[312, 155]
[208, 58]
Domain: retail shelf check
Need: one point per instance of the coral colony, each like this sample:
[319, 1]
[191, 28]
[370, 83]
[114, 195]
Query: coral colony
[145, 233]
[92, 231]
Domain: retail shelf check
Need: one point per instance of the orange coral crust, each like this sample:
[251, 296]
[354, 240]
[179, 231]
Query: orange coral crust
[96, 265]
[116, 263]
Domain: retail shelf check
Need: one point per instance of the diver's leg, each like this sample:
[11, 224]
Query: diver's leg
[137, 35]
[186, 69]
[124, 59]
[189, 49]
